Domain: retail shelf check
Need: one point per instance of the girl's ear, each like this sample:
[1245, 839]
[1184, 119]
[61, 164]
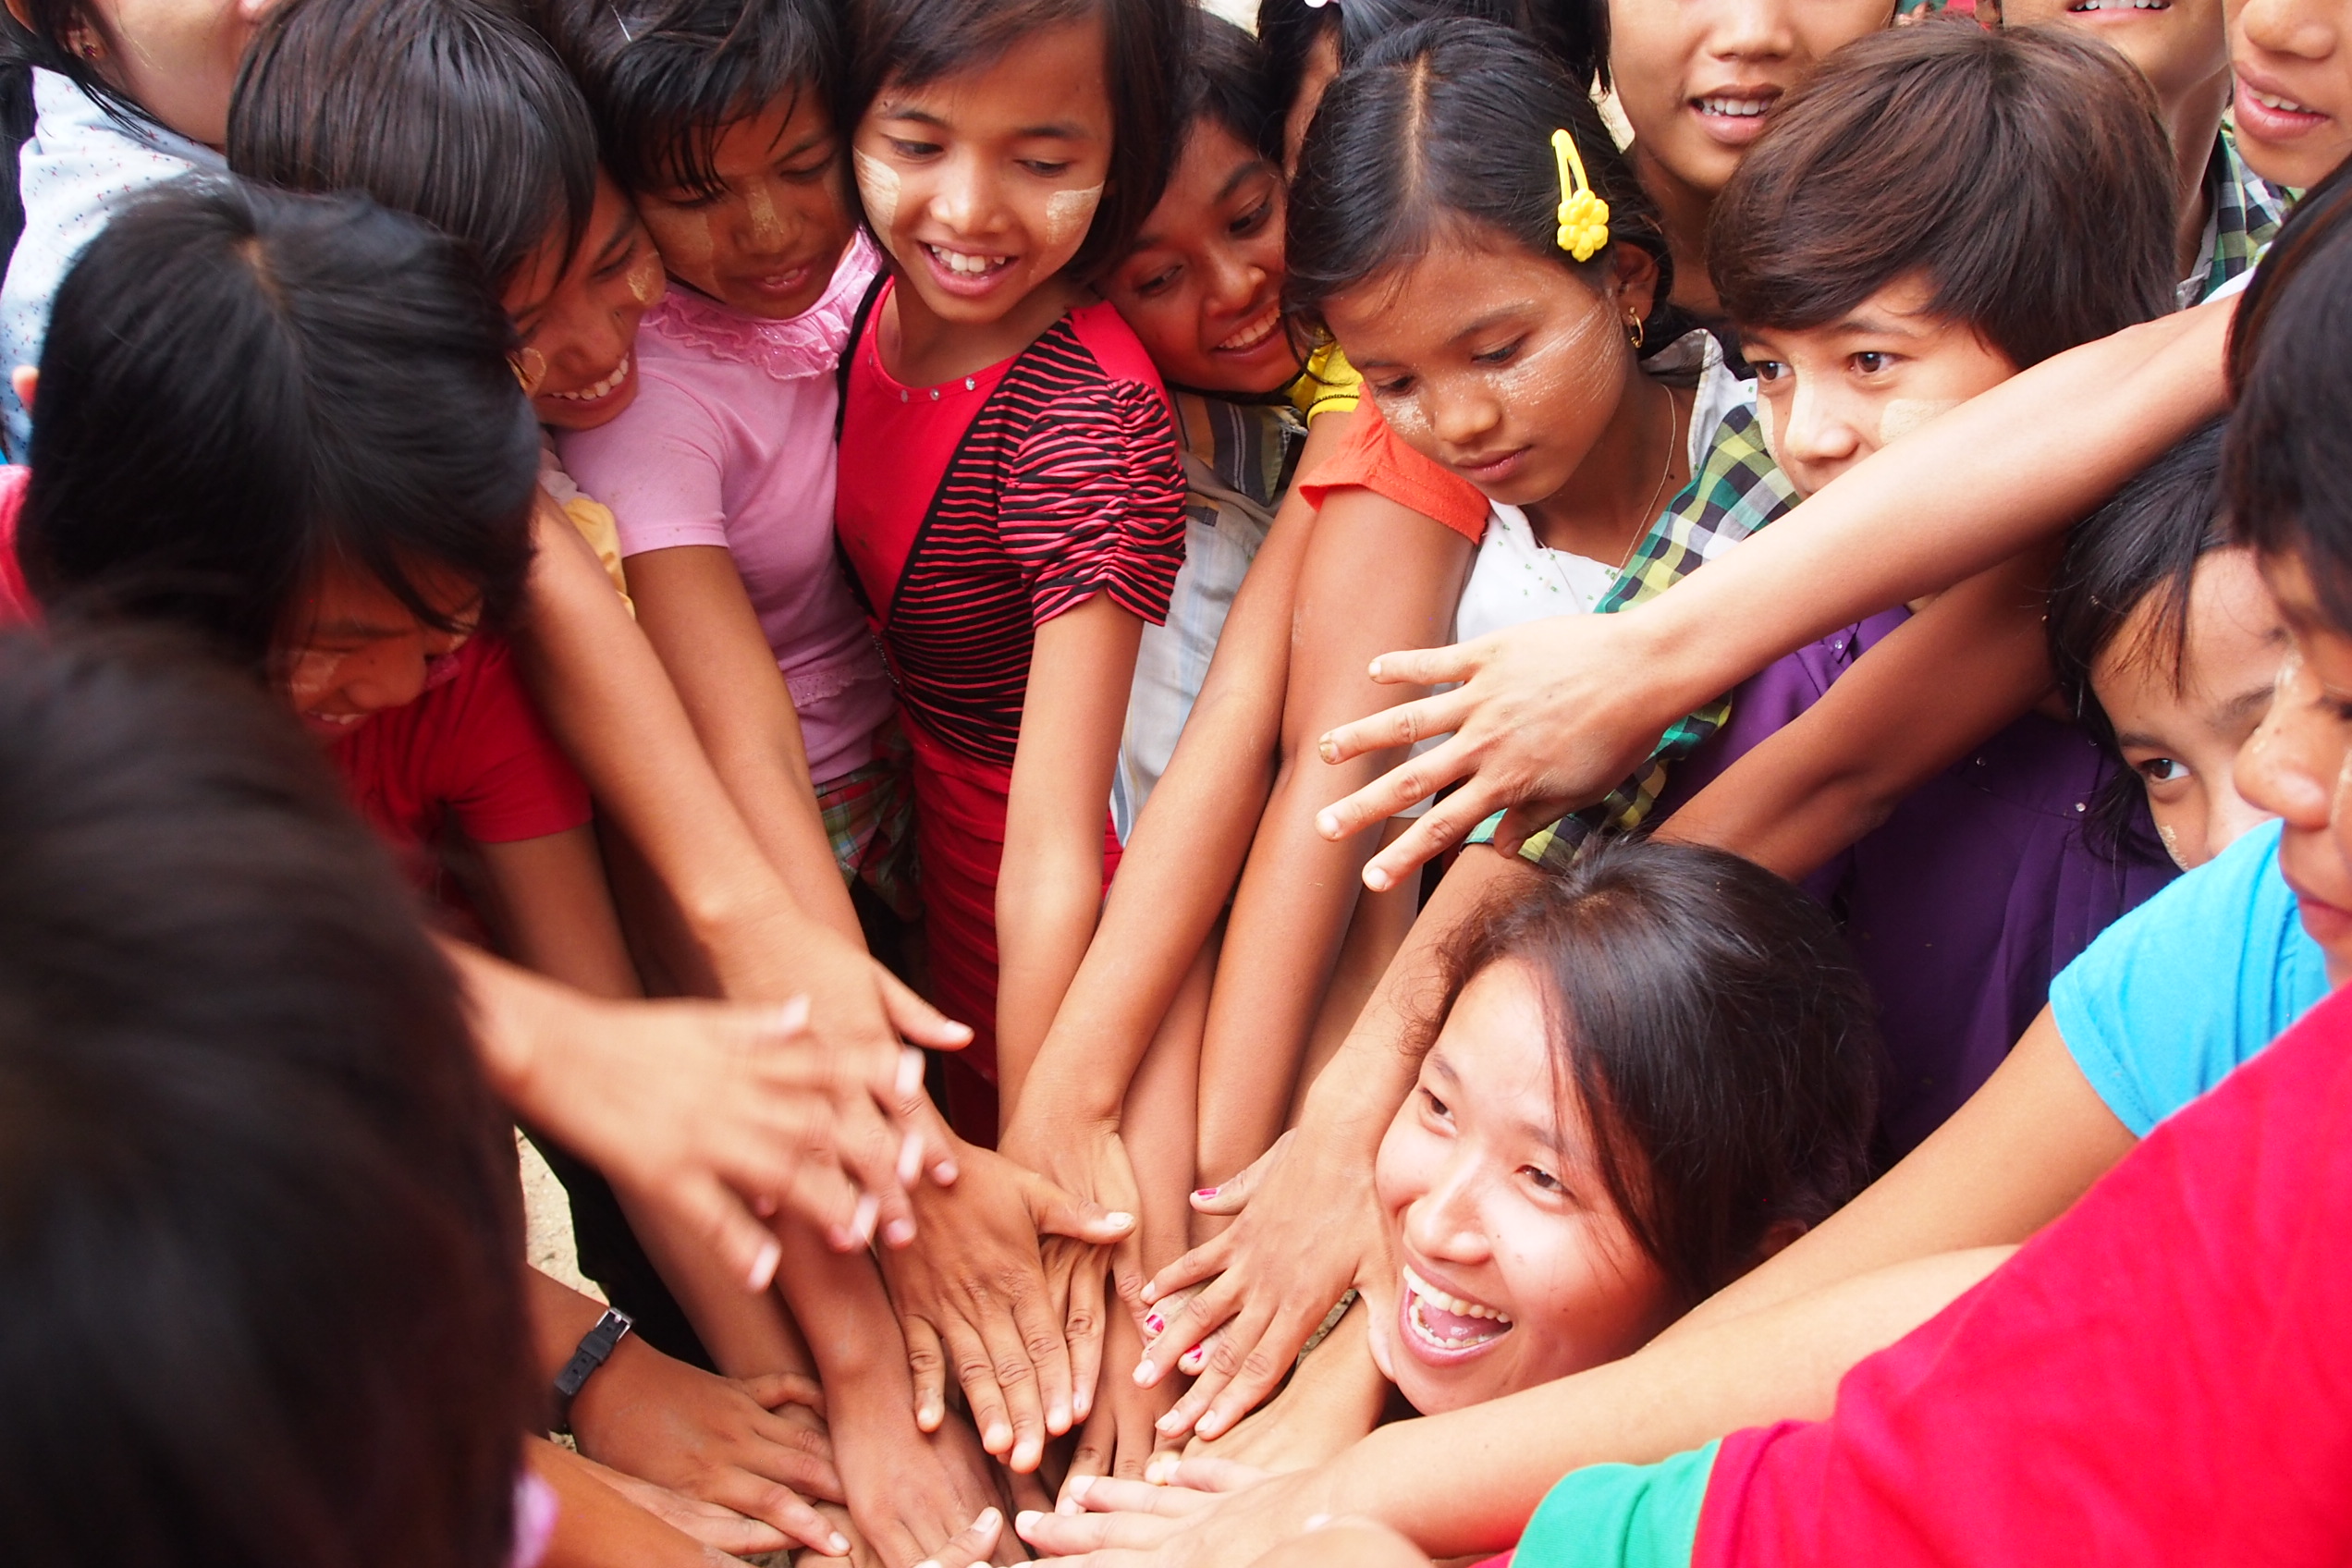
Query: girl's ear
[1634, 281]
[1779, 1235]
[22, 380]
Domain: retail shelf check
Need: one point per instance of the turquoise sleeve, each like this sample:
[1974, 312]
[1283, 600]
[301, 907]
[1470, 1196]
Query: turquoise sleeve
[1621, 1517]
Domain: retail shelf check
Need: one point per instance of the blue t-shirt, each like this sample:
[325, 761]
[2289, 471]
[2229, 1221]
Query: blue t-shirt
[2179, 992]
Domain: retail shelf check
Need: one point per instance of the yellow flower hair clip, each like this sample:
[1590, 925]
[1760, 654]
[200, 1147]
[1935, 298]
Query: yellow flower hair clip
[1584, 216]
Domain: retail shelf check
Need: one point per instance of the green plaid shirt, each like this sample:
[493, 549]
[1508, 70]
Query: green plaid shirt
[1737, 490]
[2248, 210]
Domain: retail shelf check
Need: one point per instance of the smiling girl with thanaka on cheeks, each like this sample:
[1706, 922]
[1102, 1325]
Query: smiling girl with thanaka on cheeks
[1012, 492]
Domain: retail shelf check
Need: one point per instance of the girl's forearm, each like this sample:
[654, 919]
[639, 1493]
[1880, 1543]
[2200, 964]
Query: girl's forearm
[608, 700]
[1050, 889]
[1186, 849]
[1990, 479]
[1954, 674]
[1468, 1481]
[694, 611]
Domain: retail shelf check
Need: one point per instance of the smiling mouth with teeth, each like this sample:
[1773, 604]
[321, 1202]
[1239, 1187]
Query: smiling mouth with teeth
[2283, 106]
[1448, 1323]
[603, 389]
[2081, 6]
[964, 264]
[1737, 108]
[1256, 332]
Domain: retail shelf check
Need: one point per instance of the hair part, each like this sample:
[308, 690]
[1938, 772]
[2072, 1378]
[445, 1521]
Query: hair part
[665, 79]
[1574, 33]
[241, 386]
[2141, 549]
[1443, 132]
[258, 1217]
[454, 110]
[2024, 173]
[916, 42]
[1720, 1038]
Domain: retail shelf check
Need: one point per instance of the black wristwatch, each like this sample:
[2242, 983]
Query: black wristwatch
[595, 1346]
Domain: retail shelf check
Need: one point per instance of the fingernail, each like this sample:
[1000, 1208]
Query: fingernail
[1158, 1468]
[1025, 1456]
[1203, 1195]
[910, 1159]
[1376, 879]
[1119, 1220]
[944, 1172]
[985, 1518]
[1151, 1293]
[1145, 1374]
[1082, 1404]
[899, 1232]
[861, 1222]
[909, 1071]
[1000, 1438]
[1152, 1324]
[1058, 1420]
[1027, 1520]
[1191, 1360]
[1324, 823]
[793, 1016]
[1316, 1520]
[1078, 1486]
[1170, 1424]
[1373, 669]
[764, 1267]
[1068, 1507]
[1209, 1425]
[838, 1544]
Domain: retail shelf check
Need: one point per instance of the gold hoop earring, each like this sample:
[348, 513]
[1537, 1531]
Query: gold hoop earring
[1634, 331]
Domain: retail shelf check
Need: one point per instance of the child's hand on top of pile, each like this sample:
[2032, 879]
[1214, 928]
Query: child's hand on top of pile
[974, 1294]
[724, 1116]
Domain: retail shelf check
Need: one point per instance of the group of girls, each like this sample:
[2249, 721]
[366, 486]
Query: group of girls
[803, 528]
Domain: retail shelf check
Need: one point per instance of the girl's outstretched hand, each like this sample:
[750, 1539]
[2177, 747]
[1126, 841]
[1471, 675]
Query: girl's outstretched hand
[1207, 1512]
[975, 1295]
[1307, 1219]
[1548, 716]
[724, 1115]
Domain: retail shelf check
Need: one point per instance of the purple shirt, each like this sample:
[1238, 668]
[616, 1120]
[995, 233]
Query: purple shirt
[730, 442]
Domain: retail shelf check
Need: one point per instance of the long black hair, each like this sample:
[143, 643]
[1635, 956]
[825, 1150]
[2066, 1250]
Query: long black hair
[1718, 1034]
[1445, 122]
[242, 384]
[665, 79]
[454, 110]
[2288, 489]
[259, 1235]
[2140, 547]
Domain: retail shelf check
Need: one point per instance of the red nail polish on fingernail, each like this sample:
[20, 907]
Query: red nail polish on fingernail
[1204, 1192]
[1153, 1323]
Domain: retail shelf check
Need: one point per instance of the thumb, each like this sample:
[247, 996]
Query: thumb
[1059, 1213]
[773, 1390]
[917, 1020]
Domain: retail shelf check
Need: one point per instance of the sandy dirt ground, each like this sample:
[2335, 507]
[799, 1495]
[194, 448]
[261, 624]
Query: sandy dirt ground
[546, 1215]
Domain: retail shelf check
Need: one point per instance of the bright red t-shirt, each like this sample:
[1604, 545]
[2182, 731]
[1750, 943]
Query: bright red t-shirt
[2164, 1377]
[469, 751]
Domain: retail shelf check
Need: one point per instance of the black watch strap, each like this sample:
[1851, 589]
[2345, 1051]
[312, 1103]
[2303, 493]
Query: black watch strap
[595, 1346]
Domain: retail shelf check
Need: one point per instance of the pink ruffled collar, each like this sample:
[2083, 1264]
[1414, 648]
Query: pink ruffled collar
[808, 344]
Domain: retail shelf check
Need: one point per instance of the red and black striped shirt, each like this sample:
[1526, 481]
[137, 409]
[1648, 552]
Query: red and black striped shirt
[974, 512]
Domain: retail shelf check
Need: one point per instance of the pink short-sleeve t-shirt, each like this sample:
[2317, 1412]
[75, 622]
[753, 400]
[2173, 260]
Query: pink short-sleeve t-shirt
[730, 443]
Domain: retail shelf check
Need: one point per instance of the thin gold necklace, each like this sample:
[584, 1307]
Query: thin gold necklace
[1649, 513]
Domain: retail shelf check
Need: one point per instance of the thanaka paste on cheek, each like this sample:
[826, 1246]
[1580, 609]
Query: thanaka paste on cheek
[1069, 212]
[1903, 415]
[531, 371]
[2172, 845]
[767, 229]
[645, 279]
[878, 185]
